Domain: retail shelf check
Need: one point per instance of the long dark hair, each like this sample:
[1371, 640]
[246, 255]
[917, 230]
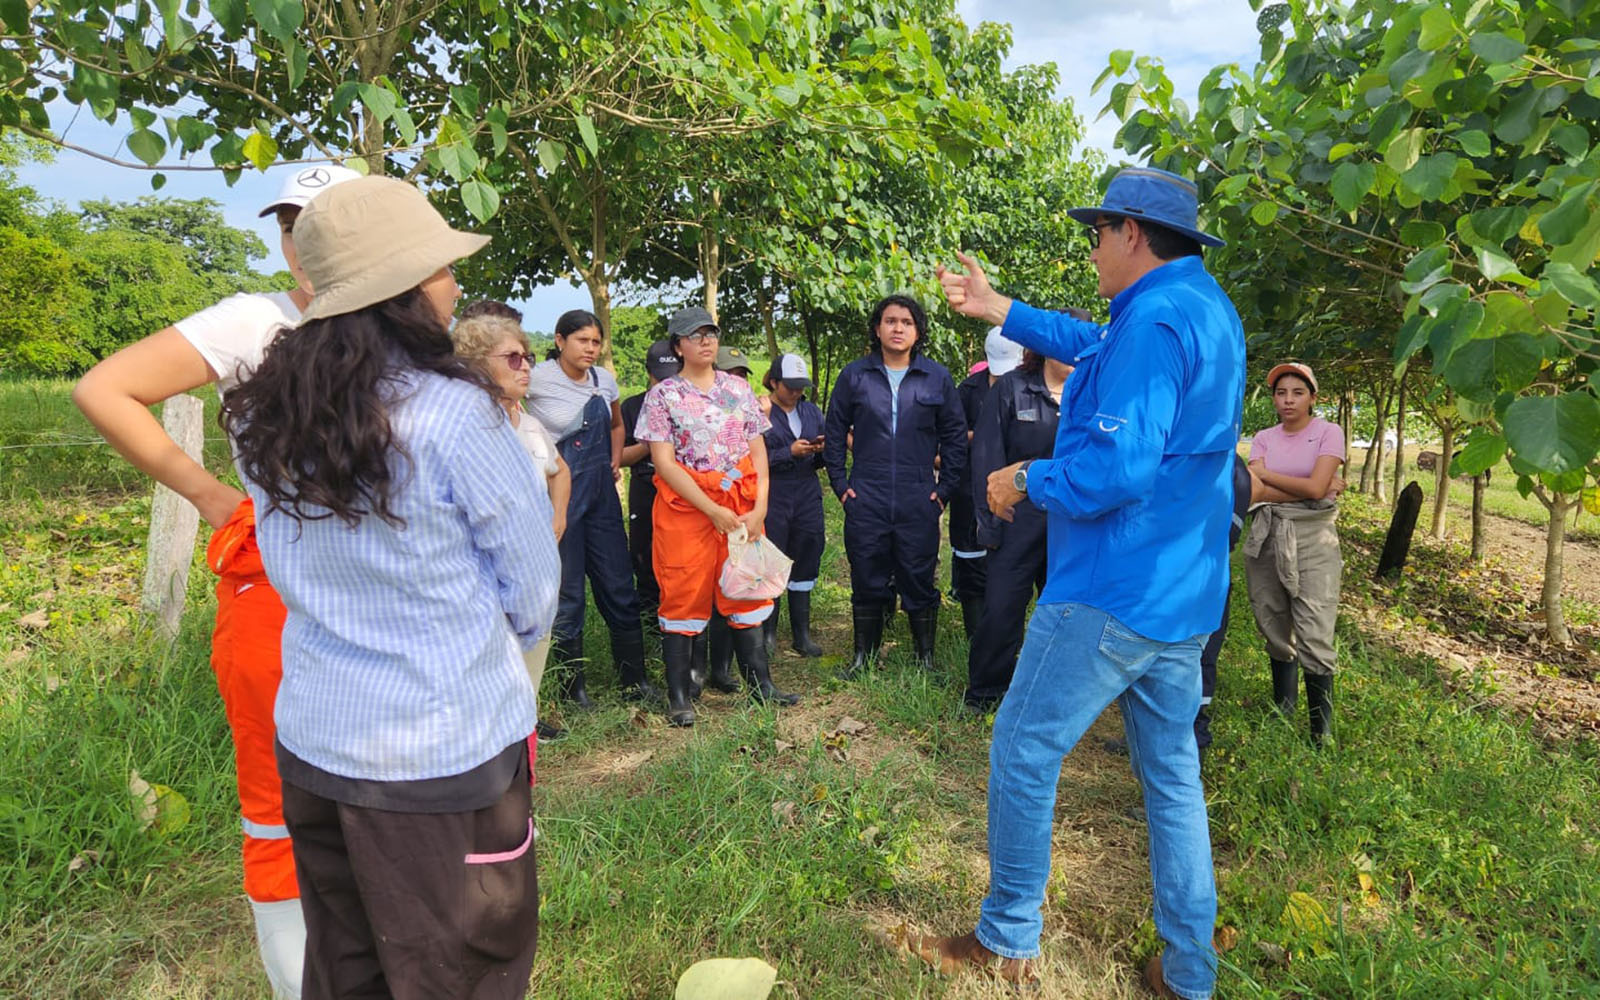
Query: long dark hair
[573, 320]
[1032, 361]
[312, 425]
[919, 318]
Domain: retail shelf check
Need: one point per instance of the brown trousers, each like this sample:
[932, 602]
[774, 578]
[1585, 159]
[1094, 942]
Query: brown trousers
[416, 906]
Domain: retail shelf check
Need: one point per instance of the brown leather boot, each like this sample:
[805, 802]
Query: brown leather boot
[951, 955]
[1156, 981]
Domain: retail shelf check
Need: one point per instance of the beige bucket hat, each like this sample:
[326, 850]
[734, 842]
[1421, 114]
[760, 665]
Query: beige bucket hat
[368, 240]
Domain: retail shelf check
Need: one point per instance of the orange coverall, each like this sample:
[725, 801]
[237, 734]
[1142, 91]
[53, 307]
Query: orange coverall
[688, 552]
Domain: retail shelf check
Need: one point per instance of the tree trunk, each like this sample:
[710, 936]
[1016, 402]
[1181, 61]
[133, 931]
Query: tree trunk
[1346, 418]
[1441, 476]
[600, 298]
[764, 297]
[1372, 464]
[1479, 542]
[1555, 539]
[1399, 436]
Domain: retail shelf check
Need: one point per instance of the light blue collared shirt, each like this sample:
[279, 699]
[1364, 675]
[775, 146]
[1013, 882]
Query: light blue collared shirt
[401, 652]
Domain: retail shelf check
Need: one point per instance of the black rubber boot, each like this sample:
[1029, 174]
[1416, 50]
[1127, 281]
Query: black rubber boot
[868, 622]
[1285, 686]
[627, 649]
[971, 614]
[800, 622]
[549, 732]
[721, 648]
[697, 665]
[769, 629]
[676, 651]
[924, 630]
[569, 652]
[1319, 703]
[752, 652]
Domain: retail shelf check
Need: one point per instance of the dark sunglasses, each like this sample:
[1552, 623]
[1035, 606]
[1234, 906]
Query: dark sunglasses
[1094, 233]
[515, 360]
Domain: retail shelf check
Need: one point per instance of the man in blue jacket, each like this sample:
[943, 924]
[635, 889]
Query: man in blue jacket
[903, 412]
[1138, 495]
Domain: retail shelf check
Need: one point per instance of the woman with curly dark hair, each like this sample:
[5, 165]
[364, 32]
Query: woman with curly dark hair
[403, 524]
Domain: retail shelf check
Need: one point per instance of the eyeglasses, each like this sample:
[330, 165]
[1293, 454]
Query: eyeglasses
[701, 336]
[515, 359]
[1094, 232]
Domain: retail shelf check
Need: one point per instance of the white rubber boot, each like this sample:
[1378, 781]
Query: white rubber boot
[281, 936]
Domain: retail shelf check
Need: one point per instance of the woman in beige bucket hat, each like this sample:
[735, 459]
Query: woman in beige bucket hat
[404, 526]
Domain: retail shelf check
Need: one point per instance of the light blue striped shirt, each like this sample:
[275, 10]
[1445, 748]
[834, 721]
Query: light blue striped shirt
[400, 652]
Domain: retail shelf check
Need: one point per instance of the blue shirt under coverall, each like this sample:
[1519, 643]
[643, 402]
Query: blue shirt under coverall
[1139, 490]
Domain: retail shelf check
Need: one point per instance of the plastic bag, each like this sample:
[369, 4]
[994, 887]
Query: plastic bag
[756, 570]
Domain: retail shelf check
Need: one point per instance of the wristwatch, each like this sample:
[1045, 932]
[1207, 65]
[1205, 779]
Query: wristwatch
[1020, 478]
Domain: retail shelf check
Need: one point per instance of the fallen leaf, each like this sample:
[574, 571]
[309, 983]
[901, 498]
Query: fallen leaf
[52, 683]
[1275, 953]
[851, 727]
[1369, 890]
[779, 746]
[1307, 917]
[1226, 938]
[144, 800]
[819, 793]
[35, 619]
[640, 718]
[157, 806]
[630, 761]
[82, 860]
[727, 979]
[783, 812]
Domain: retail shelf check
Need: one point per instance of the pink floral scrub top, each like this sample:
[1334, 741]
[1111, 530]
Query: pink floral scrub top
[707, 429]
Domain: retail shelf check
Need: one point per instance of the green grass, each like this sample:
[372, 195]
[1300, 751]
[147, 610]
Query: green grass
[761, 833]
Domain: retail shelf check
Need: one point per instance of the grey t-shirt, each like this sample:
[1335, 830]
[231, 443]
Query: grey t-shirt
[557, 401]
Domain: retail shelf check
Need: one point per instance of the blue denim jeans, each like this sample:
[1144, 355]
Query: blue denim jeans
[1074, 662]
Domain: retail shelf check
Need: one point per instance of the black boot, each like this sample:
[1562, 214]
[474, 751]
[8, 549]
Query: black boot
[753, 664]
[569, 653]
[697, 665]
[800, 621]
[868, 622]
[627, 649]
[1319, 703]
[676, 650]
[924, 629]
[1285, 686]
[971, 614]
[721, 648]
[769, 629]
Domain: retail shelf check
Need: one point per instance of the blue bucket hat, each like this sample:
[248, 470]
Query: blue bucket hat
[1154, 196]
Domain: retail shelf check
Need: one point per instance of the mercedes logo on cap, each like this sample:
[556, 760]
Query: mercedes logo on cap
[314, 177]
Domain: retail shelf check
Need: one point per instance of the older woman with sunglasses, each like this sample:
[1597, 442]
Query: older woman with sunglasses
[496, 345]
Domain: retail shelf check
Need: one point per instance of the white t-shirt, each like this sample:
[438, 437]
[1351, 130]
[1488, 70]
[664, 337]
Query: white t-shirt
[558, 402]
[232, 336]
[540, 445]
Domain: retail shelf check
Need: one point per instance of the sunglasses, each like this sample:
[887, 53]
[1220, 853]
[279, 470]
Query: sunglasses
[515, 360]
[700, 336]
[1094, 233]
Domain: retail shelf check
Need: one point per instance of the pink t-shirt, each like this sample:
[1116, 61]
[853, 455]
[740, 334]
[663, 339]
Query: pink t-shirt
[1296, 454]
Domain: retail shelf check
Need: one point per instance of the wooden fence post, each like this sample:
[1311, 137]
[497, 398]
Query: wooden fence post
[174, 523]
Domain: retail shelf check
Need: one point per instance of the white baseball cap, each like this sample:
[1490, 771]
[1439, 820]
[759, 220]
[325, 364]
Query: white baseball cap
[308, 182]
[1002, 353]
[792, 371]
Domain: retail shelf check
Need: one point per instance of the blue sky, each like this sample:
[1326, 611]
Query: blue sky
[1190, 36]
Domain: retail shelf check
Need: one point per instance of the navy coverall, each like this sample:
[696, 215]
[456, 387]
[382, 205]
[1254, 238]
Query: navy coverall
[641, 498]
[596, 546]
[891, 527]
[794, 495]
[967, 560]
[1018, 423]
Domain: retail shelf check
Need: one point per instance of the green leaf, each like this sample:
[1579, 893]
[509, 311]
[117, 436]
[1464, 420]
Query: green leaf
[726, 979]
[1405, 149]
[404, 124]
[1473, 142]
[279, 18]
[261, 150]
[1431, 175]
[229, 15]
[1422, 233]
[147, 146]
[1453, 327]
[299, 63]
[142, 117]
[1408, 67]
[14, 14]
[1582, 250]
[465, 97]
[1571, 139]
[1482, 450]
[1120, 60]
[1495, 48]
[380, 100]
[1519, 117]
[1340, 150]
[1481, 369]
[1494, 265]
[1351, 182]
[551, 153]
[1499, 224]
[1264, 212]
[139, 58]
[1413, 334]
[194, 133]
[1562, 224]
[1575, 286]
[481, 199]
[586, 130]
[1438, 27]
[1554, 434]
[158, 181]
